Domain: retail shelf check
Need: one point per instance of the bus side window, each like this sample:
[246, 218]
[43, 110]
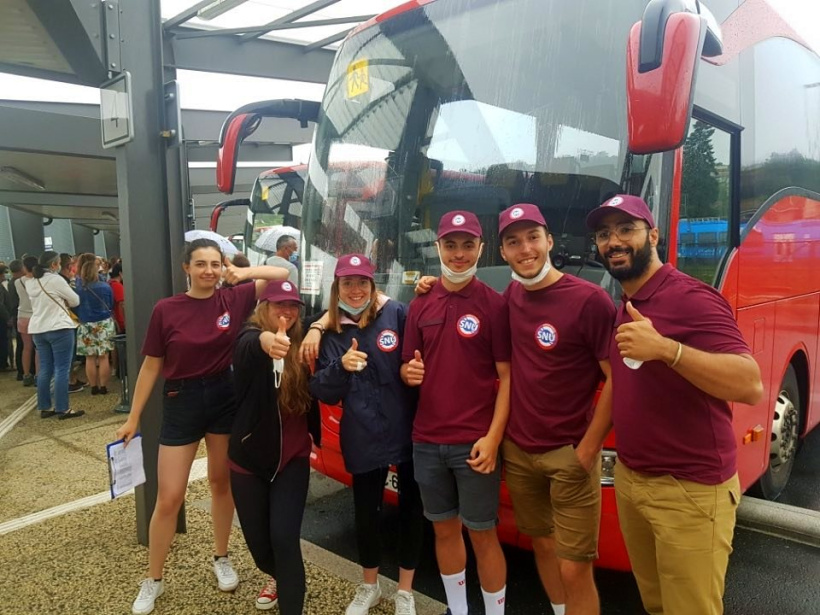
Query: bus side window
[703, 236]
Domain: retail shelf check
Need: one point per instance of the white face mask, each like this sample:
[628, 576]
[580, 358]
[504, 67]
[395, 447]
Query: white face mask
[535, 279]
[457, 277]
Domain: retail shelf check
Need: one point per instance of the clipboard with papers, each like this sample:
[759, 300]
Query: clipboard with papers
[125, 467]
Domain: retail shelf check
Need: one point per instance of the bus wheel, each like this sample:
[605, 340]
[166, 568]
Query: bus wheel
[785, 438]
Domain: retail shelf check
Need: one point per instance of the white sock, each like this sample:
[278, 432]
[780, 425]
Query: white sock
[558, 609]
[455, 586]
[494, 603]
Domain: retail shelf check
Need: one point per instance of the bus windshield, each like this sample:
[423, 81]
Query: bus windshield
[477, 105]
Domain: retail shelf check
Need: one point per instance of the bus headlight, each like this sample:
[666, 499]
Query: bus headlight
[608, 459]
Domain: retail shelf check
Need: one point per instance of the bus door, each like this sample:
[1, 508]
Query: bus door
[706, 246]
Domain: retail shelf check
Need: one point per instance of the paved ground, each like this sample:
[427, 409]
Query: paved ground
[766, 576]
[88, 561]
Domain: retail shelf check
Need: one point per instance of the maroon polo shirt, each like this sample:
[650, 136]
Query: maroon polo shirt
[559, 335]
[461, 336]
[664, 424]
[196, 336]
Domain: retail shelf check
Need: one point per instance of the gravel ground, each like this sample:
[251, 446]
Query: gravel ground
[90, 562]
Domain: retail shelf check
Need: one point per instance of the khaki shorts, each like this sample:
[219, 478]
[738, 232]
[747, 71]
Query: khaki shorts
[679, 536]
[552, 493]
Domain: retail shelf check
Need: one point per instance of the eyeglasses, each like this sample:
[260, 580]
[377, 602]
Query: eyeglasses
[623, 232]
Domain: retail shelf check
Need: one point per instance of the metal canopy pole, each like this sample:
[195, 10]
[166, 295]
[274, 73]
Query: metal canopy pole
[149, 220]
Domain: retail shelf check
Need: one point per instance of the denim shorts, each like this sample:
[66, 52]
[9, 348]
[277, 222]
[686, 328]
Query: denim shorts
[195, 406]
[450, 488]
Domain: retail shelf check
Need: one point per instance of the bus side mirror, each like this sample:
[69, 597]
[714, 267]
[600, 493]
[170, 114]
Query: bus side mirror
[663, 52]
[241, 123]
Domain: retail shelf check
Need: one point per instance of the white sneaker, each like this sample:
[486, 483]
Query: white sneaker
[366, 597]
[150, 590]
[405, 603]
[225, 575]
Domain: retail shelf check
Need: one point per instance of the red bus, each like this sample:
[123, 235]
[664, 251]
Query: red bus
[562, 104]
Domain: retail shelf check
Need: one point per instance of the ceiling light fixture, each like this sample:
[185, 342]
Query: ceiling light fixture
[217, 8]
[17, 176]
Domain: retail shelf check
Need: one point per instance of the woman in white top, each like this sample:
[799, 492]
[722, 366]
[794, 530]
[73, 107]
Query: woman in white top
[53, 330]
[24, 313]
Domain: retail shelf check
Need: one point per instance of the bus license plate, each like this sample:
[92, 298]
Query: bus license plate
[392, 481]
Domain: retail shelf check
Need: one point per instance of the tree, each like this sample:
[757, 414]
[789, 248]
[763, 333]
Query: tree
[700, 185]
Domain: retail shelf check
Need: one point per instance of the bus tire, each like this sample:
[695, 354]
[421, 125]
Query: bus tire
[785, 438]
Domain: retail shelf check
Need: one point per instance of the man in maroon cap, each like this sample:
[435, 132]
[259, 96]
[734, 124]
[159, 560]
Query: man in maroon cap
[682, 358]
[560, 327]
[456, 347]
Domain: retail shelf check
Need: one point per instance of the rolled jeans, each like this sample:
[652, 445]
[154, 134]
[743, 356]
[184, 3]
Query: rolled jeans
[56, 349]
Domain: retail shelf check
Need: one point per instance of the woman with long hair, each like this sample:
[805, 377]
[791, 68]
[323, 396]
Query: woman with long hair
[24, 314]
[270, 446]
[97, 329]
[189, 342]
[53, 328]
[359, 363]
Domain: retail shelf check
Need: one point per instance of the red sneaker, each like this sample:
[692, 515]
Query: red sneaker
[268, 597]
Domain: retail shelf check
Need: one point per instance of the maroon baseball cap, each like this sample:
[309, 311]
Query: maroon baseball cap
[633, 206]
[522, 212]
[279, 291]
[353, 264]
[459, 222]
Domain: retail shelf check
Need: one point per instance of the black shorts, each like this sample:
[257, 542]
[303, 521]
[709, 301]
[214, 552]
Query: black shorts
[195, 406]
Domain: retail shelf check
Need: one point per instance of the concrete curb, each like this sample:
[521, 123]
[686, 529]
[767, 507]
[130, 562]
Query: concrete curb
[350, 571]
[780, 520]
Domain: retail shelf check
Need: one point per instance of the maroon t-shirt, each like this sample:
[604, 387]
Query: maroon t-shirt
[461, 336]
[196, 336]
[559, 336]
[664, 424]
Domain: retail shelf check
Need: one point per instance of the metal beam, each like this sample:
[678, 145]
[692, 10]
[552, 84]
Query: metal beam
[326, 41]
[198, 125]
[186, 14]
[285, 26]
[78, 38]
[309, 9]
[9, 197]
[258, 58]
[250, 152]
[39, 73]
[35, 131]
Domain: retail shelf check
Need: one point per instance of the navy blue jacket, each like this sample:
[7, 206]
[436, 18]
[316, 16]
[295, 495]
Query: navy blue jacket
[377, 419]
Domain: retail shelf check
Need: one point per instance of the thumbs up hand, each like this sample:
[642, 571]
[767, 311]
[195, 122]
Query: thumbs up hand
[640, 341]
[354, 360]
[232, 274]
[413, 370]
[280, 342]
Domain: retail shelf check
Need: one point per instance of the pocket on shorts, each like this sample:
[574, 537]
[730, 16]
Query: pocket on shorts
[577, 462]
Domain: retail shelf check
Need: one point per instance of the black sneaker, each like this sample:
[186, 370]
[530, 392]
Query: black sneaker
[30, 381]
[103, 391]
[47, 414]
[71, 414]
[95, 390]
[76, 387]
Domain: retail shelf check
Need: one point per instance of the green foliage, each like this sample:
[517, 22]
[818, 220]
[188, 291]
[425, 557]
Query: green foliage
[700, 185]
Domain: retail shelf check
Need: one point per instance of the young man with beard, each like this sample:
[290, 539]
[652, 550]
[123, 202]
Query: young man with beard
[682, 358]
[456, 347]
[560, 327]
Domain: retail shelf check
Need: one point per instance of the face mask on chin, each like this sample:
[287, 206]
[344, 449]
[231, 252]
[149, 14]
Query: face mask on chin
[353, 311]
[458, 277]
[537, 279]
